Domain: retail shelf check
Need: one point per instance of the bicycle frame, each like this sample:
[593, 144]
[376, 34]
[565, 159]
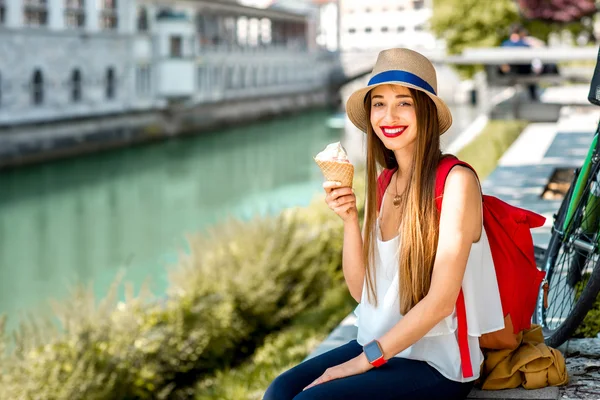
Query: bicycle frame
[593, 202]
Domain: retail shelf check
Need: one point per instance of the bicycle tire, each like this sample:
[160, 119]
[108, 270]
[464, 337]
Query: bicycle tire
[554, 264]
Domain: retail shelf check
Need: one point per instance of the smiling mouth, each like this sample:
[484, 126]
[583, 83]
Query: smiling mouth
[393, 131]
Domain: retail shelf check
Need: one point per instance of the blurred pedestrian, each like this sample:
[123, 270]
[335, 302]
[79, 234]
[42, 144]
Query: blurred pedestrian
[518, 38]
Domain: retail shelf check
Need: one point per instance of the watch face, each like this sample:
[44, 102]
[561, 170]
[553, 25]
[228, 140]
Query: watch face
[372, 351]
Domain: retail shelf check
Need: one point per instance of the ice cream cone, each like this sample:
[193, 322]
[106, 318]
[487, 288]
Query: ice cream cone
[337, 171]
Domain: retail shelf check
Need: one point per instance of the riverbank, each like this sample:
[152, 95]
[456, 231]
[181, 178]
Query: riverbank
[35, 143]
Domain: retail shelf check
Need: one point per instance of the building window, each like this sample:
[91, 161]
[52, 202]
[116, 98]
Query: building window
[418, 4]
[110, 83]
[199, 77]
[368, 30]
[243, 82]
[2, 12]
[367, 10]
[352, 30]
[108, 14]
[75, 13]
[35, 12]
[384, 29]
[143, 80]
[419, 28]
[265, 76]
[257, 77]
[175, 46]
[229, 77]
[37, 88]
[401, 29]
[76, 86]
[142, 19]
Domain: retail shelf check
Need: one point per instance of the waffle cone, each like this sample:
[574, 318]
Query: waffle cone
[337, 171]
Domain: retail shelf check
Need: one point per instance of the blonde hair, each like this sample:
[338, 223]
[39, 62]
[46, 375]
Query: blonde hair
[419, 225]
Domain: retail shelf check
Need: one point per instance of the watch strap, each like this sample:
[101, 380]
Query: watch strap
[374, 353]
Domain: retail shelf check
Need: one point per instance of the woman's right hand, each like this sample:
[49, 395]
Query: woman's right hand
[341, 200]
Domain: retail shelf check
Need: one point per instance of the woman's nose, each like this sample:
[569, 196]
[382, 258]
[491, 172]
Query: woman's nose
[390, 114]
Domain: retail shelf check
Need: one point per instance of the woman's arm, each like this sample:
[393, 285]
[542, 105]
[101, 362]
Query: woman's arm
[460, 227]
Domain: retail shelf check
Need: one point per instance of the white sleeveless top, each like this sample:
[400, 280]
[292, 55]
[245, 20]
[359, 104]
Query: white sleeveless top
[439, 347]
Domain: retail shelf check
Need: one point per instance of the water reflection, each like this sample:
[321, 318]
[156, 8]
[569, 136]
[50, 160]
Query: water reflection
[80, 220]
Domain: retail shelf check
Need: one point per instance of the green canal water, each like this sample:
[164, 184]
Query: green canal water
[82, 220]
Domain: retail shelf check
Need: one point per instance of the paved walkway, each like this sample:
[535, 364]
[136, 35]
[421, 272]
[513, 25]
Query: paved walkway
[520, 179]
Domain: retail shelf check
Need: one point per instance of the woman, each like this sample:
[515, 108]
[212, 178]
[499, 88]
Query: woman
[409, 264]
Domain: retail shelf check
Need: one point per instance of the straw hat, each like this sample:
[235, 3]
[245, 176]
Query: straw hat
[399, 67]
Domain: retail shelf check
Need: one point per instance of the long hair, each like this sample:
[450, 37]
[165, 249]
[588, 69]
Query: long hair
[419, 229]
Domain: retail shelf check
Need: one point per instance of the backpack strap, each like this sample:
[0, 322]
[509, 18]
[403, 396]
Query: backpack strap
[383, 182]
[444, 167]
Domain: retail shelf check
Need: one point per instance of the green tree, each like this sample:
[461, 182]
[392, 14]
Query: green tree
[476, 23]
[473, 23]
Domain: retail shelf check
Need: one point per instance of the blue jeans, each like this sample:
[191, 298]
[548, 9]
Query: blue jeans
[399, 378]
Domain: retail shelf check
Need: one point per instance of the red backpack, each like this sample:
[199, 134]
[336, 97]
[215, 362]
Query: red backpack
[508, 231]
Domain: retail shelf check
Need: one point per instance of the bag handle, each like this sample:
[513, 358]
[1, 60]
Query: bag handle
[444, 168]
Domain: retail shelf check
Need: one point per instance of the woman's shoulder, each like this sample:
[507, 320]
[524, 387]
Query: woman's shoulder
[462, 177]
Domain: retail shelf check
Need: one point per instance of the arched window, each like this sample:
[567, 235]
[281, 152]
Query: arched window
[142, 20]
[76, 86]
[2, 12]
[110, 83]
[37, 88]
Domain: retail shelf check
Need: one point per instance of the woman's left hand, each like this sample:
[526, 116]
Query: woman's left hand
[355, 366]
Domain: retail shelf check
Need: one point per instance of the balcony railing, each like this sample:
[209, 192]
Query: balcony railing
[109, 19]
[75, 17]
[36, 14]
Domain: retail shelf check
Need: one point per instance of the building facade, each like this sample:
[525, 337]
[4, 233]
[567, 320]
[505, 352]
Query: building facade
[379, 24]
[64, 59]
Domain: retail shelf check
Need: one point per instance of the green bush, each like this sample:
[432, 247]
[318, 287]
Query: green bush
[590, 327]
[237, 284]
[281, 350]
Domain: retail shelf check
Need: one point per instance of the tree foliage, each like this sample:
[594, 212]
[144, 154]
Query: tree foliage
[473, 23]
[476, 23]
[557, 10]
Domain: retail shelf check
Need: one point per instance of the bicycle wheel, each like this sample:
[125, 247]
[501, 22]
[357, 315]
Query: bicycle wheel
[572, 266]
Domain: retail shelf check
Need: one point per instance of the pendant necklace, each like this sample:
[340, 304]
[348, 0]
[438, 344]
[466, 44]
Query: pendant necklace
[397, 197]
[397, 200]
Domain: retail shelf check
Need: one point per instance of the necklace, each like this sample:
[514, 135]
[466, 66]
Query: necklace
[397, 197]
[397, 200]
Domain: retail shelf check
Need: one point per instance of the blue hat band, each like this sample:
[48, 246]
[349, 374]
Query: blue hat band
[401, 76]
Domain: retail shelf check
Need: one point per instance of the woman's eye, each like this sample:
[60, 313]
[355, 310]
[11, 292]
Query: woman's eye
[377, 105]
[404, 104]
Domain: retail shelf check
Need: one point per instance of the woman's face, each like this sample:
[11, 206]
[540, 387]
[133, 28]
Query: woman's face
[393, 116]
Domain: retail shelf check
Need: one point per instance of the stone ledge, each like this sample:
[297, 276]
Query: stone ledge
[583, 364]
[547, 393]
